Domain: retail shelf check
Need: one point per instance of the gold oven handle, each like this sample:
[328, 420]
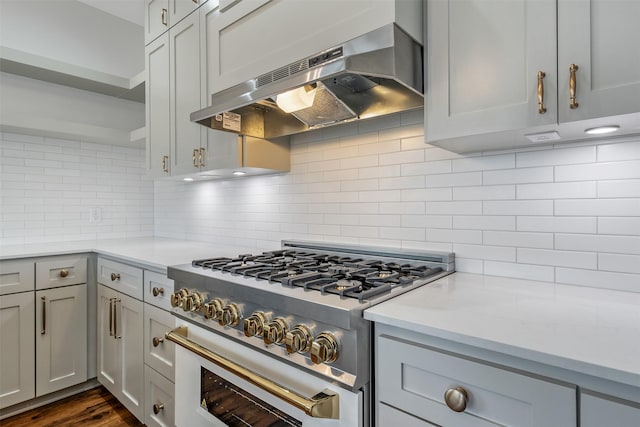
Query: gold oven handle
[323, 405]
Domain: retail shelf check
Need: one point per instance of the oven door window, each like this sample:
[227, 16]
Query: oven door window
[236, 407]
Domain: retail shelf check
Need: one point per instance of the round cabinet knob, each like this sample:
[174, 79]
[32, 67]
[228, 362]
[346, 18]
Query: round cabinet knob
[230, 315]
[178, 297]
[157, 407]
[213, 309]
[254, 325]
[157, 291]
[115, 276]
[275, 331]
[193, 302]
[298, 340]
[456, 399]
[156, 341]
[324, 348]
[64, 273]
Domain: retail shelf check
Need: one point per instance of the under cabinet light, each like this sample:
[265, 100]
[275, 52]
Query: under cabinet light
[602, 129]
[239, 173]
[187, 179]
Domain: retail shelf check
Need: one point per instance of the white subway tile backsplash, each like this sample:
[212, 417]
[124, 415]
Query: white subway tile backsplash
[426, 194]
[400, 183]
[629, 226]
[598, 243]
[518, 176]
[619, 188]
[554, 224]
[480, 222]
[483, 163]
[402, 157]
[520, 271]
[518, 207]
[454, 208]
[563, 190]
[454, 179]
[489, 192]
[599, 279]
[558, 258]
[560, 156]
[379, 172]
[482, 252]
[426, 168]
[518, 239]
[619, 152]
[598, 207]
[454, 236]
[599, 171]
[620, 263]
[427, 221]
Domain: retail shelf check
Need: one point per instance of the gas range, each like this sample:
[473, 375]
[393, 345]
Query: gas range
[303, 304]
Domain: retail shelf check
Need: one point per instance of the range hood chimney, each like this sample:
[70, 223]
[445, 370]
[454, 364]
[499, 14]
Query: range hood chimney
[372, 75]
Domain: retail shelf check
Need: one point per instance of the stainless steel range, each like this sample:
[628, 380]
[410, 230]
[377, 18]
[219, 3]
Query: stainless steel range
[297, 310]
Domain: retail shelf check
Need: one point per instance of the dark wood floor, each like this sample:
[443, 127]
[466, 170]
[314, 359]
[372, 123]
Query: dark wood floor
[94, 408]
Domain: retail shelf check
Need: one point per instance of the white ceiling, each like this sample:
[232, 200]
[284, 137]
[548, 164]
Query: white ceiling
[131, 10]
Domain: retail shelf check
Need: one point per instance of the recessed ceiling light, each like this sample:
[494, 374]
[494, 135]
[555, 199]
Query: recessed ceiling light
[602, 129]
[239, 173]
[187, 179]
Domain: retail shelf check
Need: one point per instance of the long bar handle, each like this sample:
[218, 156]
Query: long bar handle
[115, 318]
[164, 17]
[573, 104]
[325, 404]
[44, 316]
[541, 107]
[110, 317]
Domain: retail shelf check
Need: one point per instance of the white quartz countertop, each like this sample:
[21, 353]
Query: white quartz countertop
[587, 330]
[157, 253]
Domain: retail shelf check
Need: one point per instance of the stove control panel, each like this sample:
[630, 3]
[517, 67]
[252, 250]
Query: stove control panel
[324, 348]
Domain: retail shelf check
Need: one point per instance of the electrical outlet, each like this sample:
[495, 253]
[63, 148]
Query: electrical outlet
[95, 215]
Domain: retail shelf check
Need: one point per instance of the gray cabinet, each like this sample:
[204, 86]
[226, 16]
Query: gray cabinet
[17, 358]
[598, 410]
[156, 19]
[415, 378]
[61, 338]
[499, 73]
[16, 276]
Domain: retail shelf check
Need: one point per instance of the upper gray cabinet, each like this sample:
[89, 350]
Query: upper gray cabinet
[502, 74]
[160, 15]
[247, 38]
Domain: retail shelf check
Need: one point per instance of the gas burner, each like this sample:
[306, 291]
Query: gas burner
[343, 284]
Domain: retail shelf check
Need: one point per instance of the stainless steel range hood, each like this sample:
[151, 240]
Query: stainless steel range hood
[372, 75]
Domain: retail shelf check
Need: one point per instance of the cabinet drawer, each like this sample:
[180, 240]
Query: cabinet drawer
[597, 410]
[414, 378]
[121, 277]
[388, 416]
[16, 276]
[160, 357]
[159, 398]
[61, 271]
[157, 289]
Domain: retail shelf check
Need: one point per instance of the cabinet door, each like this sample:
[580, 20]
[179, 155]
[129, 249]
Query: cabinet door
[597, 410]
[156, 19]
[16, 276]
[601, 37]
[482, 61]
[251, 37]
[185, 95]
[178, 9]
[129, 335]
[159, 397]
[17, 360]
[157, 107]
[61, 338]
[108, 358]
[158, 352]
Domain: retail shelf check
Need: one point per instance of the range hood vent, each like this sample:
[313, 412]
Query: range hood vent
[372, 75]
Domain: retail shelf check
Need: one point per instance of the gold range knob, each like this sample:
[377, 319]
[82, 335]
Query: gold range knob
[178, 297]
[298, 340]
[275, 331]
[254, 325]
[230, 315]
[193, 302]
[456, 399]
[324, 348]
[213, 309]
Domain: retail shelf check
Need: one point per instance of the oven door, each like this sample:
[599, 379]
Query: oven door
[222, 382]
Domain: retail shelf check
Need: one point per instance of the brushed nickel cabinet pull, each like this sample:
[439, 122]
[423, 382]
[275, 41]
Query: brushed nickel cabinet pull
[456, 399]
[323, 405]
[164, 17]
[573, 104]
[110, 317]
[541, 107]
[44, 316]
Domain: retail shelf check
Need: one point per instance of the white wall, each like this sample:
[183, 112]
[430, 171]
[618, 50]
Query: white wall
[48, 186]
[568, 214]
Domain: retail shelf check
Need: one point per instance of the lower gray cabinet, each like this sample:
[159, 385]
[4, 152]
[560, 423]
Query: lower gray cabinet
[413, 378]
[159, 401]
[598, 410]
